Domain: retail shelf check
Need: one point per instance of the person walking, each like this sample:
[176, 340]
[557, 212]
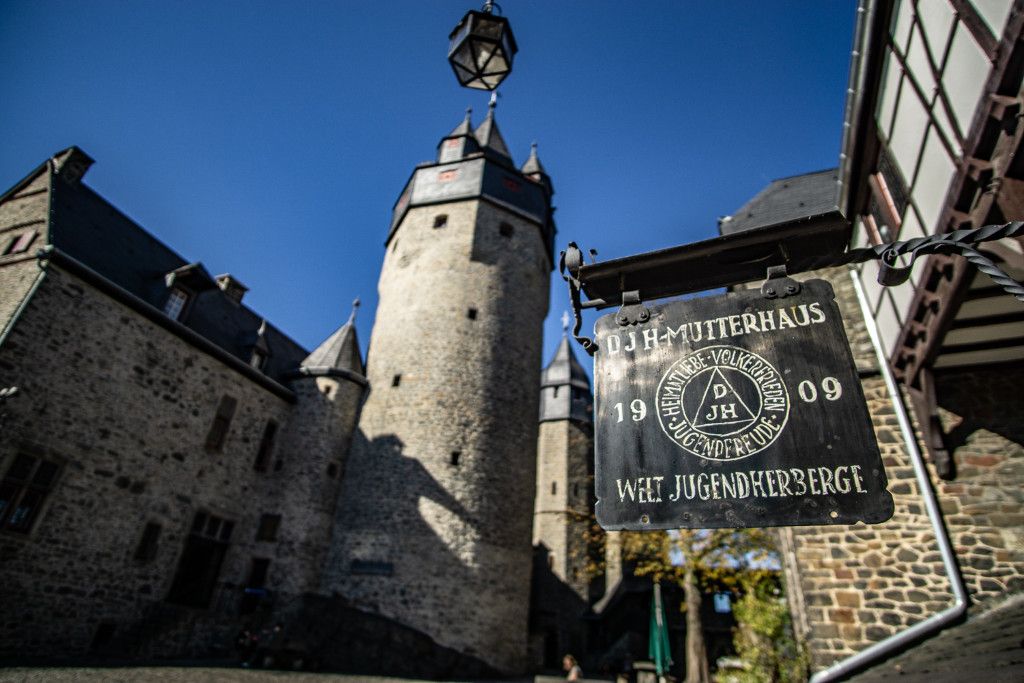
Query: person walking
[572, 669]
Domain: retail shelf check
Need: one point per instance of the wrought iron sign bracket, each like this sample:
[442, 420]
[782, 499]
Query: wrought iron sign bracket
[632, 311]
[778, 285]
[609, 278]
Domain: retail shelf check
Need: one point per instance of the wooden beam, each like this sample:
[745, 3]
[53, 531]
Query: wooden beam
[984, 320]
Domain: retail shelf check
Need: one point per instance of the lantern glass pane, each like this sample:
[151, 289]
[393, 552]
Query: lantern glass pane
[497, 65]
[464, 75]
[464, 57]
[482, 54]
[458, 35]
[491, 82]
[477, 83]
[490, 28]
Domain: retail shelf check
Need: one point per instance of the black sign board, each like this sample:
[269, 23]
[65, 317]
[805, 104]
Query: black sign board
[734, 411]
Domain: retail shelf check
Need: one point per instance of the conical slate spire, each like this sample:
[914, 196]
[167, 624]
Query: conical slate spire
[340, 351]
[564, 369]
[534, 170]
[533, 164]
[460, 142]
[464, 128]
[489, 137]
[565, 387]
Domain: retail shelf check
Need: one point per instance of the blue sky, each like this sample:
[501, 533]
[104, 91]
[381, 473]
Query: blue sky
[271, 139]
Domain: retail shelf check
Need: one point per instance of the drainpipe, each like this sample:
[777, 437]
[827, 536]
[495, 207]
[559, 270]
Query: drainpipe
[894, 643]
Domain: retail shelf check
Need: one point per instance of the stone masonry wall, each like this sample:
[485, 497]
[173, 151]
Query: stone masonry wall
[562, 503]
[435, 522]
[851, 586]
[981, 411]
[24, 212]
[124, 407]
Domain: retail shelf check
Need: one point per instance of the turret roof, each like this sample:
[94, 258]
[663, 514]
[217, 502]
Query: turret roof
[533, 164]
[340, 351]
[565, 369]
[489, 137]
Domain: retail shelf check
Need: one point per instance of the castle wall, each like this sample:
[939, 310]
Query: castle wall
[851, 586]
[562, 504]
[124, 408]
[435, 540]
[317, 437]
[24, 212]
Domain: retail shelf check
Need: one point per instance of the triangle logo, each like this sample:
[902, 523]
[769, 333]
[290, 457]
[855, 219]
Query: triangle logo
[721, 409]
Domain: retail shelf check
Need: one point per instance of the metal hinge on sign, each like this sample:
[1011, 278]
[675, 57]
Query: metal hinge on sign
[778, 285]
[632, 311]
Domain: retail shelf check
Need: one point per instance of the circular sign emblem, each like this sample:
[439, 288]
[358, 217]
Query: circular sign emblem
[722, 403]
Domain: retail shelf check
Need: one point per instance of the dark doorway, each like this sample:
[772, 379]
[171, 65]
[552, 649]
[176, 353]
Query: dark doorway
[201, 561]
[256, 586]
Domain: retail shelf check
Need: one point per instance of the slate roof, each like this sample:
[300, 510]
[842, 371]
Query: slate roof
[533, 164]
[88, 228]
[800, 196]
[465, 128]
[572, 400]
[987, 647]
[340, 351]
[489, 137]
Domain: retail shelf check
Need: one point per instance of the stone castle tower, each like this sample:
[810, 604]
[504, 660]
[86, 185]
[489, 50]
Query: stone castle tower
[329, 386]
[565, 453]
[434, 524]
[565, 450]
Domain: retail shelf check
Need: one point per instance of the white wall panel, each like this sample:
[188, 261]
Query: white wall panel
[901, 29]
[936, 17]
[888, 324]
[964, 78]
[890, 91]
[902, 296]
[917, 64]
[908, 132]
[869, 278]
[994, 12]
[932, 183]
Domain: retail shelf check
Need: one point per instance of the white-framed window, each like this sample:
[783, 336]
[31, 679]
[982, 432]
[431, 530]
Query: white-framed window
[175, 304]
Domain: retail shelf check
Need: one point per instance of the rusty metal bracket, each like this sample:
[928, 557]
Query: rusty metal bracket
[778, 285]
[569, 263]
[632, 311]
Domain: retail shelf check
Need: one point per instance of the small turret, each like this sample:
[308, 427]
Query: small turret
[460, 142]
[338, 355]
[534, 170]
[329, 387]
[565, 387]
[489, 137]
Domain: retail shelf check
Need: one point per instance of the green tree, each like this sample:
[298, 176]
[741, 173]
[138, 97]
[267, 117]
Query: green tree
[764, 639]
[694, 560]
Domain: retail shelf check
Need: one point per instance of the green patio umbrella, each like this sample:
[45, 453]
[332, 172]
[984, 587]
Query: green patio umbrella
[657, 646]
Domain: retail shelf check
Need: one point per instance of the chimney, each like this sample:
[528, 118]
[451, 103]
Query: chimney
[234, 289]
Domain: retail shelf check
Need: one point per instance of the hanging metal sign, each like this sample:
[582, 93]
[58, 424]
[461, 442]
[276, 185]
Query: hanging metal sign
[733, 411]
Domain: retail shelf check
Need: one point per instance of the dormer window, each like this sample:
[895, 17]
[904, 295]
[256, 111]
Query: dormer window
[175, 304]
[258, 359]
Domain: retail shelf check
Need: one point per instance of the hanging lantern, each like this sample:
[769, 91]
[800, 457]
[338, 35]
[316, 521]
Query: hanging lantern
[481, 49]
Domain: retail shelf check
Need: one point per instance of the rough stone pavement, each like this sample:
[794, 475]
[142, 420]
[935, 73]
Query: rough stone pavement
[180, 674]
